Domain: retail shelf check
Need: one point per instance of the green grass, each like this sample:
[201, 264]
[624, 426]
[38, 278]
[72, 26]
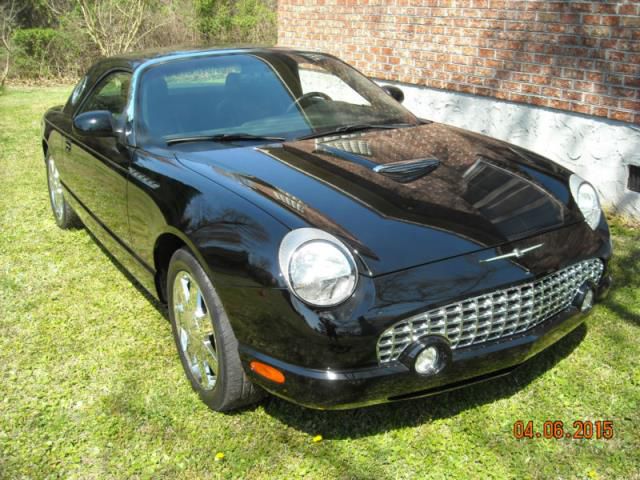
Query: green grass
[91, 386]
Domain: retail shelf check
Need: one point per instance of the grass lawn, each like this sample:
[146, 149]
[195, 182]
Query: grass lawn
[91, 386]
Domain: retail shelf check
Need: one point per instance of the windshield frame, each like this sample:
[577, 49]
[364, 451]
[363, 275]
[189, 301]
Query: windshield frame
[131, 111]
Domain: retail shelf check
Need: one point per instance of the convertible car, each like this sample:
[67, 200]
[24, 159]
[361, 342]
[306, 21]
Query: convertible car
[314, 239]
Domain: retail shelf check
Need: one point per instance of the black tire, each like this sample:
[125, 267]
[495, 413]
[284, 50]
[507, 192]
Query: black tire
[63, 214]
[232, 389]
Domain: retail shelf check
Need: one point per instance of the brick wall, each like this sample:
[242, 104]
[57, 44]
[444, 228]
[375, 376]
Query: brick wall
[571, 55]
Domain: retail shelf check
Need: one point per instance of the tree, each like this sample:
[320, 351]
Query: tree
[8, 15]
[117, 26]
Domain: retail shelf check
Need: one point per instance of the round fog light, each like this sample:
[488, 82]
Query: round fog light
[587, 301]
[428, 361]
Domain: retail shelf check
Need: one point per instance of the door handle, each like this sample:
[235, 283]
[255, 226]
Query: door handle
[67, 145]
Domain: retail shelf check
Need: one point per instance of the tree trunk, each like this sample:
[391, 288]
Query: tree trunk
[5, 71]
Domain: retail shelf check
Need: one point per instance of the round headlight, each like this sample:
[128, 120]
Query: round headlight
[318, 268]
[587, 200]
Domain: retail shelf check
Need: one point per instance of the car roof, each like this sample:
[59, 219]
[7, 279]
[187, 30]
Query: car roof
[133, 60]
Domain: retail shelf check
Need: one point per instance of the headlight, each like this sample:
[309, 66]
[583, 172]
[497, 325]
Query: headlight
[317, 267]
[587, 199]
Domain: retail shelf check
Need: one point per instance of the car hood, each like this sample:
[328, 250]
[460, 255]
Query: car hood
[446, 191]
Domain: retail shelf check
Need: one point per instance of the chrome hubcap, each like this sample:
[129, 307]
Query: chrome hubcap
[195, 330]
[55, 189]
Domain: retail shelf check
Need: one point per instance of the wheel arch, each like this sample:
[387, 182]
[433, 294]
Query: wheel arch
[166, 244]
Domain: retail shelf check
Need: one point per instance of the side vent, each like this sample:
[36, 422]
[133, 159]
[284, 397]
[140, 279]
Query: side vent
[634, 178]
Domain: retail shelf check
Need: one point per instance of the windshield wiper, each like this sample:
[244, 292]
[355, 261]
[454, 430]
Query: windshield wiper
[355, 127]
[224, 137]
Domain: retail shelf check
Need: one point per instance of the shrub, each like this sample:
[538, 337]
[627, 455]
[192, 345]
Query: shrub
[32, 46]
[255, 22]
[241, 21]
[48, 53]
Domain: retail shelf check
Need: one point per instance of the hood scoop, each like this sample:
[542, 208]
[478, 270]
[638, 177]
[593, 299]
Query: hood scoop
[404, 171]
[408, 170]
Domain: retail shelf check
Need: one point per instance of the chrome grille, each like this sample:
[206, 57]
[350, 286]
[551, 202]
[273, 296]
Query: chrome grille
[493, 315]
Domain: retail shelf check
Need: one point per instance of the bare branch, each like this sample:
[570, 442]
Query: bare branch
[115, 26]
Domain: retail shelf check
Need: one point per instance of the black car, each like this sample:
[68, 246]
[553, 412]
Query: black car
[313, 238]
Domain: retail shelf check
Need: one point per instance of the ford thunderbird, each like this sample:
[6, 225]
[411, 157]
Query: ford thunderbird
[314, 239]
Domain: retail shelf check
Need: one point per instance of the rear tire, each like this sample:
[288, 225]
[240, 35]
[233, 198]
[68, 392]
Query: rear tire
[64, 215]
[205, 341]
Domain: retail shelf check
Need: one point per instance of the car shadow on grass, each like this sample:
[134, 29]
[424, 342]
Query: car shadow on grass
[341, 424]
[160, 307]
[625, 278]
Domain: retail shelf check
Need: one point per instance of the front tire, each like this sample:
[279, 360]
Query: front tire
[206, 344]
[62, 212]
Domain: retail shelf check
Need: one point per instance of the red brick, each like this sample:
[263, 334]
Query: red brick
[628, 9]
[621, 116]
[632, 82]
[624, 92]
[559, 104]
[530, 89]
[627, 68]
[540, 101]
[610, 101]
[615, 56]
[570, 18]
[552, 92]
[591, 19]
[580, 7]
[614, 79]
[592, 99]
[571, 73]
[482, 91]
[600, 111]
[569, 95]
[629, 105]
[604, 7]
[561, 83]
[586, 109]
[516, 97]
[630, 21]
[540, 79]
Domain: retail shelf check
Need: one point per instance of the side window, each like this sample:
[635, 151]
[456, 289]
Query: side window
[110, 94]
[77, 92]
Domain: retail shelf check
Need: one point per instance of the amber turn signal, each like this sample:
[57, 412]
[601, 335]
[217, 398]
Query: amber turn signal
[267, 371]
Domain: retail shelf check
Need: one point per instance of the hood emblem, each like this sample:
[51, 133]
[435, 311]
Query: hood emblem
[517, 253]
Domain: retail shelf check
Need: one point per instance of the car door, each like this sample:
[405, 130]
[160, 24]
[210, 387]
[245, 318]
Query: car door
[97, 167]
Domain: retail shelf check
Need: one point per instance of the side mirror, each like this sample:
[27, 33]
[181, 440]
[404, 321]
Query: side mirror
[395, 92]
[97, 123]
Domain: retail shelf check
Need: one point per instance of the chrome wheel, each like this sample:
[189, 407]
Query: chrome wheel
[55, 189]
[195, 330]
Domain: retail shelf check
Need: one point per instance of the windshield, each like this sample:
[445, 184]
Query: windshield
[274, 94]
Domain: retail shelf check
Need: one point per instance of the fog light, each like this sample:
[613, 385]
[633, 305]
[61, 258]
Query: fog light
[428, 361]
[587, 301]
[585, 297]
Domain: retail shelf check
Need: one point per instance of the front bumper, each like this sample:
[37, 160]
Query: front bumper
[342, 389]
